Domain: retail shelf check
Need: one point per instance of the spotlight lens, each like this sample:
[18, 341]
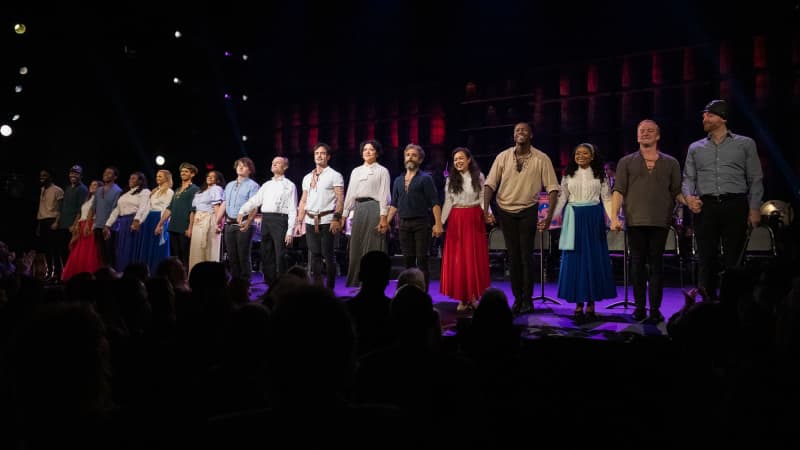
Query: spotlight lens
[15, 118]
[244, 98]
[6, 130]
[23, 70]
[244, 56]
[18, 88]
[176, 80]
[160, 160]
[244, 138]
[19, 28]
[178, 34]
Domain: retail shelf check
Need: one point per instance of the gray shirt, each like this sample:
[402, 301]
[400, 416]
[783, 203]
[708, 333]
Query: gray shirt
[649, 194]
[104, 203]
[732, 167]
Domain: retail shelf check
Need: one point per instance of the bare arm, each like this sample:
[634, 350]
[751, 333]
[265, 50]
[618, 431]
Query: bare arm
[488, 193]
[336, 223]
[616, 204]
[301, 213]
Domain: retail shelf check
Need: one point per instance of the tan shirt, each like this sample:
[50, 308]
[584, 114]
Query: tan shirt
[49, 202]
[520, 190]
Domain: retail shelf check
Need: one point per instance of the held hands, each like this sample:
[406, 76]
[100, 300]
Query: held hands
[437, 230]
[615, 225]
[106, 232]
[544, 224]
[489, 218]
[159, 229]
[336, 226]
[754, 217]
[383, 226]
[694, 203]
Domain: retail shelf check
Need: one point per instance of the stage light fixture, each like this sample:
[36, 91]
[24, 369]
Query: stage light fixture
[226, 96]
[176, 80]
[6, 130]
[178, 34]
[20, 28]
[18, 88]
[244, 56]
[227, 53]
[244, 138]
[160, 160]
[15, 117]
[244, 97]
[23, 70]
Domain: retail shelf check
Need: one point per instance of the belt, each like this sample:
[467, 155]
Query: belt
[229, 221]
[365, 199]
[722, 197]
[316, 218]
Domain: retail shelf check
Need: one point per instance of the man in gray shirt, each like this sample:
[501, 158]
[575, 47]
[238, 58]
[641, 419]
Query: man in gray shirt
[649, 182]
[722, 181]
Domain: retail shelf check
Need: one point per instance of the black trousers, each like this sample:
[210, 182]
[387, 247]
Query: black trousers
[722, 220]
[320, 245]
[106, 247]
[647, 264]
[519, 232]
[415, 243]
[237, 247]
[179, 246]
[49, 242]
[273, 245]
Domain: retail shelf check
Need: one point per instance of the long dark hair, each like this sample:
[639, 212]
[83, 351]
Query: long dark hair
[220, 180]
[457, 181]
[596, 164]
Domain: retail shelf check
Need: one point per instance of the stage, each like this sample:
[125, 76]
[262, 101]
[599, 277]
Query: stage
[549, 320]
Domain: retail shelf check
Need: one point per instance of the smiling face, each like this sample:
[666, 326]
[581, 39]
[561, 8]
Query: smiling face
[648, 133]
[369, 154]
[321, 157]
[133, 181]
[211, 178]
[522, 134]
[93, 187]
[583, 156]
[109, 176]
[461, 161]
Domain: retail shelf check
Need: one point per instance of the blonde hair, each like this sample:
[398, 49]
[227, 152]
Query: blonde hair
[161, 190]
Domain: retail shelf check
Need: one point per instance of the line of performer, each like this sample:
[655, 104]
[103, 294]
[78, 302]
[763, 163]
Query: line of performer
[721, 183]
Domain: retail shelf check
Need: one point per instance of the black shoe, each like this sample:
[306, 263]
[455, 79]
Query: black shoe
[522, 307]
[639, 314]
[655, 318]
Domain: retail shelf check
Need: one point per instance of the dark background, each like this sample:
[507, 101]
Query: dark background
[99, 89]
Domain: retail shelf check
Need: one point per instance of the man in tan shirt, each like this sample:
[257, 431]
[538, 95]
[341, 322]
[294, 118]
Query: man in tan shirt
[517, 176]
[47, 216]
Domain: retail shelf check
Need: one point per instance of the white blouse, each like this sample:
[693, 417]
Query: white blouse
[86, 208]
[368, 181]
[155, 202]
[583, 187]
[129, 204]
[467, 196]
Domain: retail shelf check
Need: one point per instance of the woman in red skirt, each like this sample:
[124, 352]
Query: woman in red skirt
[465, 263]
[84, 255]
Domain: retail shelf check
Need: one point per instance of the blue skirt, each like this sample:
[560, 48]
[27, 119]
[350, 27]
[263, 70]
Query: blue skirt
[585, 274]
[126, 242]
[152, 249]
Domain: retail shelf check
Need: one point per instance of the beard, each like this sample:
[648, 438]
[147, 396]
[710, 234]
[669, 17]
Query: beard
[411, 165]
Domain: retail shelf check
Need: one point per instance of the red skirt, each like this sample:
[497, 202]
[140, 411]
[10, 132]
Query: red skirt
[465, 263]
[84, 256]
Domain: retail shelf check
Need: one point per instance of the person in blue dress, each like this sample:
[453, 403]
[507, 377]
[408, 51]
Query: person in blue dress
[585, 199]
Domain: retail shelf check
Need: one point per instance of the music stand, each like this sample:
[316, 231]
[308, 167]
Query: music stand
[543, 297]
[625, 302]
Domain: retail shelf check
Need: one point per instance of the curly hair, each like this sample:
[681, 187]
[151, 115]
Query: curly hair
[596, 164]
[457, 181]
